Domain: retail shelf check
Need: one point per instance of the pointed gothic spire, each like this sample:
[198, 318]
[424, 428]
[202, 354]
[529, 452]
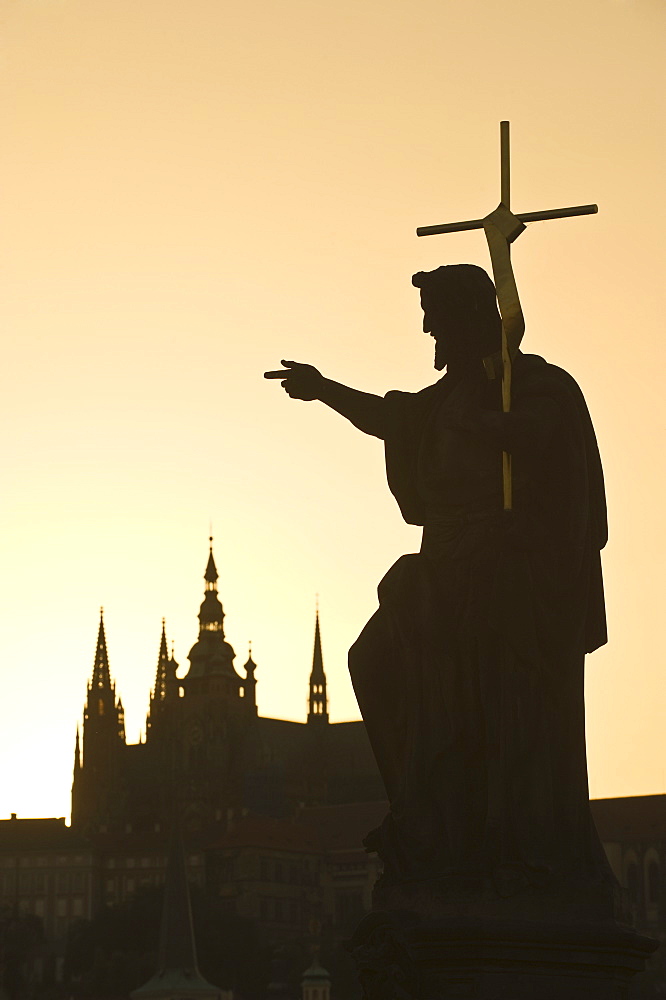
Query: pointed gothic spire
[317, 658]
[318, 701]
[77, 752]
[210, 576]
[101, 677]
[177, 970]
[163, 668]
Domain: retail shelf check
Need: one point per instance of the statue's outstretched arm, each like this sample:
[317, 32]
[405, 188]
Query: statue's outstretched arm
[363, 409]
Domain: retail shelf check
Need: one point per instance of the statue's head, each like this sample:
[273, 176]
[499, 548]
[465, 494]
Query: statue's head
[460, 311]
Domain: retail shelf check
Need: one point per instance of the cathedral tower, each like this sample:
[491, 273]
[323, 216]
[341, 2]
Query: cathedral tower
[211, 658]
[96, 778]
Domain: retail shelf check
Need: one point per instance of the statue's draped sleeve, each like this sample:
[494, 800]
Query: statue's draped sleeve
[405, 418]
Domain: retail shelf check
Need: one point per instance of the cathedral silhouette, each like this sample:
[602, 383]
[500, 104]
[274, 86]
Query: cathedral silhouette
[207, 751]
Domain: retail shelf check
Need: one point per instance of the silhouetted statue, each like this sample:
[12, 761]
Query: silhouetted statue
[470, 674]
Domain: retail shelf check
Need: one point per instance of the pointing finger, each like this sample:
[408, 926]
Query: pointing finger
[281, 374]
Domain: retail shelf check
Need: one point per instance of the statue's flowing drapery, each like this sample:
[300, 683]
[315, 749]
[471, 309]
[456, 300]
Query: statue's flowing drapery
[470, 674]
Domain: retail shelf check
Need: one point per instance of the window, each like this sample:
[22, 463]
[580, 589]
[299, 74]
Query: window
[100, 706]
[61, 907]
[40, 907]
[63, 882]
[77, 907]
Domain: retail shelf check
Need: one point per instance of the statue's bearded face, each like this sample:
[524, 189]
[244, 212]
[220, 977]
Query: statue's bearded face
[449, 329]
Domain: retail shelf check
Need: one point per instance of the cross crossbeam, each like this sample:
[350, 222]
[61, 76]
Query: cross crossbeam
[549, 213]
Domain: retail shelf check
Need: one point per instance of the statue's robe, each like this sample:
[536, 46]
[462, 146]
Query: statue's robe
[470, 674]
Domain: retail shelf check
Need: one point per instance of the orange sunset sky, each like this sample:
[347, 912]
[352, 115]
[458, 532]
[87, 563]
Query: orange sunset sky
[194, 189]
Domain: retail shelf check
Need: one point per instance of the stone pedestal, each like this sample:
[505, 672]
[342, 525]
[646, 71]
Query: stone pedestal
[465, 942]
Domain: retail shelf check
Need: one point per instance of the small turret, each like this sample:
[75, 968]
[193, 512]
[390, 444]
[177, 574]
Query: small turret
[250, 684]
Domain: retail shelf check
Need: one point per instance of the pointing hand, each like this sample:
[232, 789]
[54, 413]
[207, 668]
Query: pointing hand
[298, 380]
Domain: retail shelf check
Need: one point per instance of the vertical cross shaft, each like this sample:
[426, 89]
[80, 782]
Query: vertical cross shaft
[505, 189]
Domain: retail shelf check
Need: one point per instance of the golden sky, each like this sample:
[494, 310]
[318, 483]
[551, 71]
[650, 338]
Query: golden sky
[194, 189]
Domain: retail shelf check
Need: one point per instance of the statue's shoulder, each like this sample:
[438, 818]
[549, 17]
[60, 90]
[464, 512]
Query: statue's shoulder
[532, 373]
[423, 394]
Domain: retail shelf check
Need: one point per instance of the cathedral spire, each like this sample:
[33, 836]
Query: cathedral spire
[166, 685]
[177, 970]
[162, 674]
[210, 576]
[77, 753]
[318, 701]
[101, 677]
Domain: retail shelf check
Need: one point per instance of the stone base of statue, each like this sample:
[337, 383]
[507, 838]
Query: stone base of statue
[457, 938]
